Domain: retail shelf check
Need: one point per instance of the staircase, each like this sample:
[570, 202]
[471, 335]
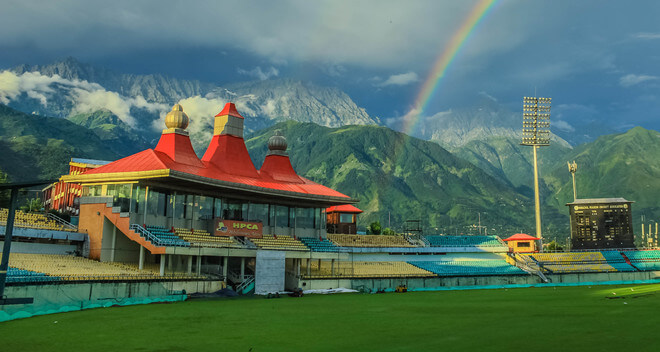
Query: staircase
[67, 225]
[529, 265]
[246, 286]
[121, 221]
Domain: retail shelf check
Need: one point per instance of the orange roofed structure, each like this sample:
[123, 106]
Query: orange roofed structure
[342, 219]
[170, 187]
[522, 243]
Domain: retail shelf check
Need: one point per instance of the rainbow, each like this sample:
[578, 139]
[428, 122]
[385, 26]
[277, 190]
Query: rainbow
[442, 62]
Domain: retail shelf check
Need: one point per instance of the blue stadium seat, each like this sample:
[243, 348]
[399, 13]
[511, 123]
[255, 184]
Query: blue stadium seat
[469, 267]
[465, 241]
[318, 245]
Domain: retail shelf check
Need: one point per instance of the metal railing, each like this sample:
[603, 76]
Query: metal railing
[155, 239]
[61, 221]
[247, 280]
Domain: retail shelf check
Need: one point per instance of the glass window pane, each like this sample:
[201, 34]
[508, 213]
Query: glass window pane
[169, 205]
[305, 218]
[258, 213]
[179, 201]
[205, 208]
[272, 217]
[217, 207]
[189, 206]
[152, 202]
[282, 216]
[346, 218]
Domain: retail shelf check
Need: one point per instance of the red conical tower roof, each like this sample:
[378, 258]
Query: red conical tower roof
[227, 151]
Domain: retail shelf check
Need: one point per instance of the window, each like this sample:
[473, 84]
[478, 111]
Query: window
[137, 199]
[188, 206]
[92, 191]
[204, 206]
[346, 218]
[258, 213]
[523, 244]
[217, 207]
[305, 218]
[234, 210]
[179, 201]
[281, 216]
[156, 203]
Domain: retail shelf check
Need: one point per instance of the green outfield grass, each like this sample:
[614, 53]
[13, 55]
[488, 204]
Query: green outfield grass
[529, 319]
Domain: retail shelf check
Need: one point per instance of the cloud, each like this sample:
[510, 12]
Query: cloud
[400, 79]
[646, 36]
[563, 125]
[632, 79]
[484, 94]
[260, 74]
[84, 97]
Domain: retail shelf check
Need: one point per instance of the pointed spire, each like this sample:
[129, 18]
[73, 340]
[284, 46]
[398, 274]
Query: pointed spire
[228, 121]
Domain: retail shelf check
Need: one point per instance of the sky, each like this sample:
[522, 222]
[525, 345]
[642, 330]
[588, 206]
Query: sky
[598, 60]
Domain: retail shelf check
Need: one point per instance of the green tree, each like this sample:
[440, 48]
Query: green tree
[554, 246]
[31, 205]
[388, 231]
[375, 228]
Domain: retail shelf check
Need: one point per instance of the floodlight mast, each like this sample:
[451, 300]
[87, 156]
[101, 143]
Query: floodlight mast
[536, 133]
[572, 168]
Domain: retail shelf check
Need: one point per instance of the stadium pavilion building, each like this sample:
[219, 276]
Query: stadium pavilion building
[162, 221]
[221, 197]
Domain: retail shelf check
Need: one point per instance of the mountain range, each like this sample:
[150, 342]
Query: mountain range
[467, 163]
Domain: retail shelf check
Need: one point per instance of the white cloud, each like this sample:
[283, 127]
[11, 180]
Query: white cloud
[260, 74]
[84, 96]
[646, 35]
[482, 93]
[563, 125]
[632, 79]
[400, 79]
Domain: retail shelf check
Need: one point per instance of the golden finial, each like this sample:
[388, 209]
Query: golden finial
[176, 118]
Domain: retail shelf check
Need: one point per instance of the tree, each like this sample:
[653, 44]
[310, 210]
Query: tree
[375, 227]
[388, 231]
[32, 205]
[554, 246]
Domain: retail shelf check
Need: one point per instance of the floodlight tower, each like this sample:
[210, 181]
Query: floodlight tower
[572, 168]
[536, 133]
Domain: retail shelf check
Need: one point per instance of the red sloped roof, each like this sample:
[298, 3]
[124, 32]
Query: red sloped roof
[145, 160]
[278, 167]
[226, 159]
[344, 208]
[229, 109]
[522, 237]
[178, 148]
[229, 154]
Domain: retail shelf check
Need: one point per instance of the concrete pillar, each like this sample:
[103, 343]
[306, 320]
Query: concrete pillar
[225, 267]
[114, 243]
[242, 269]
[141, 262]
[146, 197]
[309, 267]
[332, 267]
[199, 264]
[169, 262]
[298, 262]
[162, 264]
[190, 264]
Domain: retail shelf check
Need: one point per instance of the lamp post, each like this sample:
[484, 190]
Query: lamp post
[572, 168]
[536, 133]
